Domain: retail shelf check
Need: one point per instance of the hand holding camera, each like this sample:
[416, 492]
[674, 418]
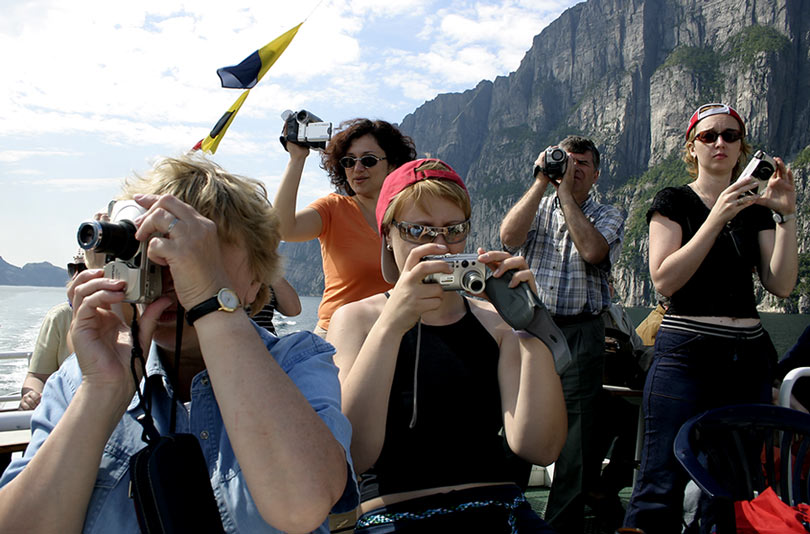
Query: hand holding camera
[761, 168]
[305, 129]
[126, 257]
[552, 162]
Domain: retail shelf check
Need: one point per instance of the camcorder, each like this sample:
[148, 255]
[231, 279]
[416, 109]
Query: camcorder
[555, 163]
[761, 167]
[305, 129]
[468, 273]
[126, 257]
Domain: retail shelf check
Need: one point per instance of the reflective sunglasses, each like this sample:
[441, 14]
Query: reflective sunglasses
[420, 234]
[710, 136]
[75, 268]
[367, 161]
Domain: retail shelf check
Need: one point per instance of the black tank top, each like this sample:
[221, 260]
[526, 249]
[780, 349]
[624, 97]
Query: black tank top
[455, 438]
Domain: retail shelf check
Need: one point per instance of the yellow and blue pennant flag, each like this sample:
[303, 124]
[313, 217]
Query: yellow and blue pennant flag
[245, 75]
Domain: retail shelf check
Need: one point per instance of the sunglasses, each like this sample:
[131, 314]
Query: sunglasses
[367, 161]
[710, 136]
[75, 268]
[420, 234]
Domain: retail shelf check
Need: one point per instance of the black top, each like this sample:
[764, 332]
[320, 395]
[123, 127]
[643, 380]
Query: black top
[455, 439]
[722, 286]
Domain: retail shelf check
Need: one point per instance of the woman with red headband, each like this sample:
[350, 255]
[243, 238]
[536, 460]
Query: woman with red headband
[434, 383]
[706, 238]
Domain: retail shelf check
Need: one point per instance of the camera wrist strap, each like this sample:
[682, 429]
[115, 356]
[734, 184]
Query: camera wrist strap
[150, 433]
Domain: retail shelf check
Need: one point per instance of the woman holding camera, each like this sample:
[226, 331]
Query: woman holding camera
[430, 378]
[264, 410]
[706, 238]
[357, 159]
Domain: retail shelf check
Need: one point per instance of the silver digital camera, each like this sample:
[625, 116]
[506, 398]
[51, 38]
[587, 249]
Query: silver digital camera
[761, 167]
[304, 128]
[468, 273]
[126, 257]
[555, 163]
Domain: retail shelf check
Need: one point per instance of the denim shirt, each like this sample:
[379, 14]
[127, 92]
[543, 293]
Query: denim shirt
[306, 359]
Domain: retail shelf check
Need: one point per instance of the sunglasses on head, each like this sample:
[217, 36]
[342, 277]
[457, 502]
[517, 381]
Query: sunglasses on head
[421, 234]
[710, 136]
[367, 161]
[75, 268]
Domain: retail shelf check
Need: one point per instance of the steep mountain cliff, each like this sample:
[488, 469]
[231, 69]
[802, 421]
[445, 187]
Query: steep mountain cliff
[627, 73]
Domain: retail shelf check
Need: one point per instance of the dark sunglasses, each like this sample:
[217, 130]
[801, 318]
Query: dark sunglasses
[710, 136]
[75, 268]
[420, 234]
[367, 161]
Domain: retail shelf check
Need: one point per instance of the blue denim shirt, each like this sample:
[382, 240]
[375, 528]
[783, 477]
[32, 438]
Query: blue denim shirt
[306, 359]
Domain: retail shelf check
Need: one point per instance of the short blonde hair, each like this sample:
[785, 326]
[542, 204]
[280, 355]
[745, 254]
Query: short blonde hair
[238, 205]
[430, 188]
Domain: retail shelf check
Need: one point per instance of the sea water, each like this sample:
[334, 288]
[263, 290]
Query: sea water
[22, 309]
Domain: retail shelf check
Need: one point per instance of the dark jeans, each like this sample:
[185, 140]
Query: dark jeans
[492, 509]
[576, 471]
[691, 373]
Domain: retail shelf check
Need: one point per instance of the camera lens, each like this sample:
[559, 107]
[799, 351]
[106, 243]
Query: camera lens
[117, 239]
[473, 282]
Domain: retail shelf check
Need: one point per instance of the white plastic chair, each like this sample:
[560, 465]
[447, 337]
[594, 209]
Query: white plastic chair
[787, 385]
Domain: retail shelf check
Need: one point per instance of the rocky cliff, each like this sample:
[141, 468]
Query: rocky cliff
[628, 73]
[32, 274]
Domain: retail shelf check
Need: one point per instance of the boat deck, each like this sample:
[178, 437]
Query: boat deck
[538, 497]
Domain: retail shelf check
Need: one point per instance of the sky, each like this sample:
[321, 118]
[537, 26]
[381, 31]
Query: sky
[93, 91]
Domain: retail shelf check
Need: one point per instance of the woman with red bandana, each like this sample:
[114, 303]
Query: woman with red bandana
[706, 239]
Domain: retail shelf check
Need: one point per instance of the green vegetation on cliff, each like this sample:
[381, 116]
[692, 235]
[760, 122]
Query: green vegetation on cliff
[746, 45]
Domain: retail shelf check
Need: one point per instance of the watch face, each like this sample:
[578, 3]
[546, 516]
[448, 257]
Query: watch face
[228, 299]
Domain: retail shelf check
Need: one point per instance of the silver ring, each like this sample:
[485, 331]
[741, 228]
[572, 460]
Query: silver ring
[171, 225]
[740, 201]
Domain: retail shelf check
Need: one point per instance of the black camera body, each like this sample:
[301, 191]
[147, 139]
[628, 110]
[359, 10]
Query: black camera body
[468, 273]
[304, 128]
[761, 167]
[555, 163]
[126, 257]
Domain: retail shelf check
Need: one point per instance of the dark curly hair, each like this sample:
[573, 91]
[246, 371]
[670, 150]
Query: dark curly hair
[398, 148]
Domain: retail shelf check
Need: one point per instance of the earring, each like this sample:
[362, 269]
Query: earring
[388, 247]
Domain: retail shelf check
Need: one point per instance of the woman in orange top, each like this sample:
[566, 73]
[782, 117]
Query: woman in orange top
[357, 159]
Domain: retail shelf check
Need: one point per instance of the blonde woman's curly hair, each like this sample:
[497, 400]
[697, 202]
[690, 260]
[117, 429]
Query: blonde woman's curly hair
[238, 205]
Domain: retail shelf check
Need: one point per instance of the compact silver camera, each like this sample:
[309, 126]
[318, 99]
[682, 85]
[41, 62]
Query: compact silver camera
[761, 167]
[555, 163]
[304, 128]
[126, 257]
[468, 273]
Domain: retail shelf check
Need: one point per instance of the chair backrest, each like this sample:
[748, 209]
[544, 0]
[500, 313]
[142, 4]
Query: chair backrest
[738, 451]
[788, 382]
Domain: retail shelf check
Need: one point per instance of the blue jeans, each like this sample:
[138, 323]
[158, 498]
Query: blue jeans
[690, 373]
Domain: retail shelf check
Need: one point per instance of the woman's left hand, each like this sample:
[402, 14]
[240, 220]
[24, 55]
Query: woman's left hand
[188, 244]
[499, 262]
[780, 195]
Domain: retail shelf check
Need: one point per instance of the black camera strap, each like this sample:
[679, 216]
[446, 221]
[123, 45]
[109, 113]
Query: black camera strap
[150, 433]
[522, 310]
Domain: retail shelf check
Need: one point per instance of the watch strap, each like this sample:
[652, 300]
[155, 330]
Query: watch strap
[207, 306]
[780, 219]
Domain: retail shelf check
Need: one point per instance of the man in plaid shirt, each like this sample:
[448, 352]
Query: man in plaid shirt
[570, 242]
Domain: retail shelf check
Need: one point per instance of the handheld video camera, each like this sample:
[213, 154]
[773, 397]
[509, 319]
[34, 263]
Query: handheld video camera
[125, 256]
[555, 163]
[468, 273]
[304, 128]
[761, 167]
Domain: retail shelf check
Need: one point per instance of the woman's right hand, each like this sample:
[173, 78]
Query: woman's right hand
[732, 201]
[411, 297]
[101, 338]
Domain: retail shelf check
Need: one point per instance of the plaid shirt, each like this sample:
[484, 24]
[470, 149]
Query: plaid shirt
[568, 285]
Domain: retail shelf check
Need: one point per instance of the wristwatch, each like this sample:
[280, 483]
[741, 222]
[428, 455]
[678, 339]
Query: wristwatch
[779, 218]
[225, 300]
